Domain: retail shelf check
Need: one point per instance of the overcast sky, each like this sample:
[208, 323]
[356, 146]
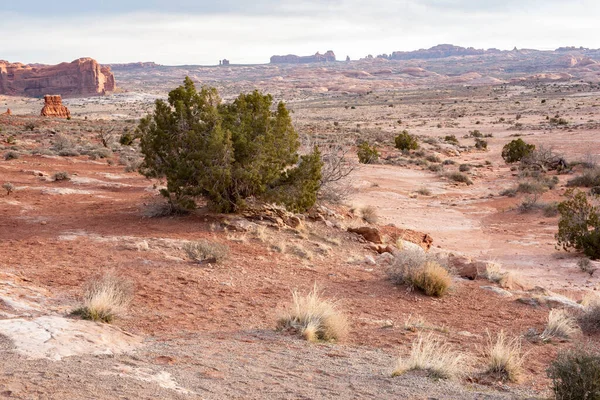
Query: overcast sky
[175, 32]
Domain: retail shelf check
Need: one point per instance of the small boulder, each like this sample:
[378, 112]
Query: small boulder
[369, 234]
[464, 266]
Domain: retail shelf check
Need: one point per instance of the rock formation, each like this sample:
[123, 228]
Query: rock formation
[329, 56]
[53, 107]
[8, 112]
[82, 77]
[439, 51]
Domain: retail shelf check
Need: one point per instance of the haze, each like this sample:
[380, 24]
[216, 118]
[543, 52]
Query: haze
[200, 32]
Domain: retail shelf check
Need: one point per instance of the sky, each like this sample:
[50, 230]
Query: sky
[177, 32]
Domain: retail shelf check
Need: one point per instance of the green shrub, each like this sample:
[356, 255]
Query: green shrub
[126, 139]
[406, 141]
[579, 224]
[575, 374]
[367, 154]
[475, 134]
[226, 152]
[515, 150]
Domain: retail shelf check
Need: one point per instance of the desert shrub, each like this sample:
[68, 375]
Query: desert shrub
[531, 187]
[560, 325]
[589, 320]
[314, 318]
[406, 141]
[475, 134]
[550, 209]
[68, 153]
[367, 154]
[105, 298]
[515, 150]
[459, 177]
[61, 176]
[61, 142]
[451, 139]
[511, 192]
[203, 251]
[575, 374]
[585, 265]
[405, 263]
[579, 224]
[464, 167]
[30, 126]
[433, 355]
[433, 158]
[424, 191]
[432, 279]
[126, 139]
[11, 155]
[504, 357]
[227, 152]
[506, 279]
[589, 178]
[369, 214]
[481, 144]
[530, 203]
[435, 168]
[9, 187]
[449, 162]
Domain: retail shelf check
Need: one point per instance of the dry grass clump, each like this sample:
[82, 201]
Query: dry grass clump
[430, 354]
[506, 279]
[412, 268]
[61, 176]
[9, 187]
[314, 318]
[105, 298]
[369, 214]
[560, 325]
[431, 278]
[504, 357]
[203, 251]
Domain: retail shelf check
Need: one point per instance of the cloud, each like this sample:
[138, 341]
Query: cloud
[191, 32]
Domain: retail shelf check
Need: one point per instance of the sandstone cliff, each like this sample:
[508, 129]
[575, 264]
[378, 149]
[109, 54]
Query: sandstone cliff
[294, 59]
[82, 77]
[53, 107]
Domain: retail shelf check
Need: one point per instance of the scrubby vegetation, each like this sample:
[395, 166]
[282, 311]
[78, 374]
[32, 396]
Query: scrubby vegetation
[203, 251]
[314, 318]
[504, 357]
[406, 141]
[105, 298]
[575, 374]
[433, 355]
[515, 150]
[579, 224]
[411, 267]
[227, 152]
[367, 154]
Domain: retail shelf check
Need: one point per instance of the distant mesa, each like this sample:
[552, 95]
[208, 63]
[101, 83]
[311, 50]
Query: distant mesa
[329, 56]
[224, 62]
[82, 77]
[53, 107]
[133, 65]
[439, 51]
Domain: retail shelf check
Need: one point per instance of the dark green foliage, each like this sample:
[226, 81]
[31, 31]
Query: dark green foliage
[451, 139]
[575, 375]
[367, 154]
[476, 134]
[579, 224]
[225, 152]
[459, 177]
[126, 139]
[406, 141]
[515, 150]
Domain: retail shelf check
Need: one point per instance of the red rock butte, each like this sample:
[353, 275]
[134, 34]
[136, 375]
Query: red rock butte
[53, 107]
[82, 77]
[8, 112]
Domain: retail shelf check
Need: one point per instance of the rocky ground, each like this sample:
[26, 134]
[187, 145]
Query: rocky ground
[208, 331]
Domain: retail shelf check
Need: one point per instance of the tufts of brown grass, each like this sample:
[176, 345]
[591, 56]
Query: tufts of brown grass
[506, 279]
[431, 278]
[504, 357]
[105, 298]
[560, 325]
[369, 214]
[589, 320]
[437, 357]
[314, 318]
